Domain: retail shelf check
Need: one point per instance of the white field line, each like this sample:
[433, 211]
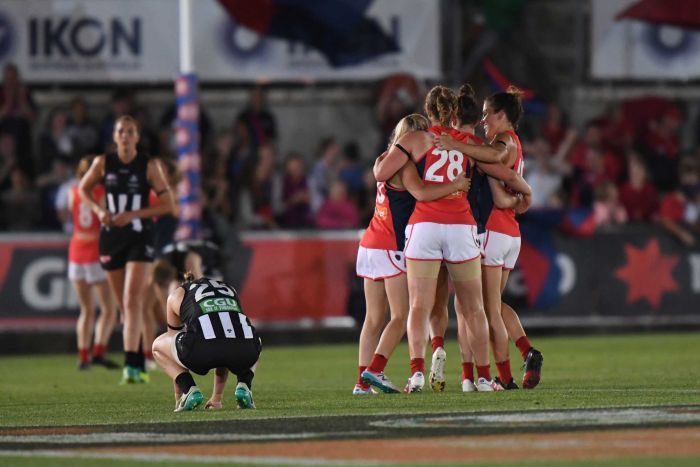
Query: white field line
[135, 437]
[189, 459]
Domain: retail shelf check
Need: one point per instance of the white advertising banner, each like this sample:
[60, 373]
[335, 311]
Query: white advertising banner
[137, 40]
[632, 49]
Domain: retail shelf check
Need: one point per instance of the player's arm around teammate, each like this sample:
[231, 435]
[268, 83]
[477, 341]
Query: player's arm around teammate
[381, 263]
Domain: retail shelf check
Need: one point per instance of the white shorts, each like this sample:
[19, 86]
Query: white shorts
[499, 250]
[88, 272]
[378, 264]
[454, 243]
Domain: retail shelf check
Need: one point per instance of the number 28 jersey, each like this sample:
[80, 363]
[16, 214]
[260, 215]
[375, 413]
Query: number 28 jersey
[438, 166]
[212, 310]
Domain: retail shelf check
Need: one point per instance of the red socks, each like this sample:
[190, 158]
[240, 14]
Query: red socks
[484, 371]
[468, 371]
[437, 342]
[417, 364]
[148, 354]
[98, 350]
[360, 369]
[504, 371]
[378, 363]
[84, 355]
[523, 344]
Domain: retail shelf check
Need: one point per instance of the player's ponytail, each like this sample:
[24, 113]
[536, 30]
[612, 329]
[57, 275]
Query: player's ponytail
[441, 105]
[468, 111]
[187, 276]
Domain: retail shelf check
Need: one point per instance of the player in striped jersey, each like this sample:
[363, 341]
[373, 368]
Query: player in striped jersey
[207, 330]
[126, 237]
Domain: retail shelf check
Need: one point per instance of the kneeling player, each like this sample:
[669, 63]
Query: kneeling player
[207, 330]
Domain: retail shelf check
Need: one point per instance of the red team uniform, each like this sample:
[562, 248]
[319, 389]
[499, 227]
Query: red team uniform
[380, 255]
[500, 244]
[437, 229]
[83, 256]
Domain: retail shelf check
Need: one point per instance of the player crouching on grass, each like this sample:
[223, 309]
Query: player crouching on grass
[207, 329]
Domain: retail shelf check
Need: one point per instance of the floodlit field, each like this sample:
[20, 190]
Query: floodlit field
[648, 384]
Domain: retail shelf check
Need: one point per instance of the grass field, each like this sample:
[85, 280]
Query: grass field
[315, 382]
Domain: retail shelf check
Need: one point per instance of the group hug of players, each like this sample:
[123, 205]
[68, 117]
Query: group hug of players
[446, 206]
[120, 195]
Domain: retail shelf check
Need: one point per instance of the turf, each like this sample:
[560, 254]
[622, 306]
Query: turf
[579, 372]
[74, 462]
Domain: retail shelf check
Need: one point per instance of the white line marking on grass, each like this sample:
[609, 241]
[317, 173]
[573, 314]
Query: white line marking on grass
[568, 418]
[135, 437]
[190, 460]
[665, 391]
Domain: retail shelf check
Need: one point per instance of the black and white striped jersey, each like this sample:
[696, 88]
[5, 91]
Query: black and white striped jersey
[127, 189]
[212, 310]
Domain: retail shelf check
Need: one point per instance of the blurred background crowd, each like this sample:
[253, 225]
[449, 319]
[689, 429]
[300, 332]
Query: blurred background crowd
[637, 161]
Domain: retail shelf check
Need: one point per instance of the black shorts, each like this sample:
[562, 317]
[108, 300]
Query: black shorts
[201, 355]
[118, 248]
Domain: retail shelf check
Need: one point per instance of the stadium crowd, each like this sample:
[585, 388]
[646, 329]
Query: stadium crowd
[626, 166]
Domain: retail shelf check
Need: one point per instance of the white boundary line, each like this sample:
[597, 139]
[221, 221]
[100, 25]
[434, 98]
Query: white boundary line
[188, 459]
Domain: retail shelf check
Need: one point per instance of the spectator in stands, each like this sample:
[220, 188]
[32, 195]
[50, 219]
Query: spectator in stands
[661, 145]
[20, 202]
[607, 209]
[240, 165]
[48, 184]
[338, 211]
[83, 131]
[149, 142]
[323, 171]
[618, 131]
[8, 159]
[351, 169]
[257, 207]
[398, 96]
[546, 171]
[122, 104]
[62, 205]
[214, 173]
[555, 127]
[592, 165]
[638, 195]
[296, 198]
[258, 120]
[17, 115]
[55, 141]
[680, 209]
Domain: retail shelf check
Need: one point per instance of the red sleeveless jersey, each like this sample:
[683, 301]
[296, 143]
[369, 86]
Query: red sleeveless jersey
[438, 166]
[83, 246]
[386, 230]
[503, 220]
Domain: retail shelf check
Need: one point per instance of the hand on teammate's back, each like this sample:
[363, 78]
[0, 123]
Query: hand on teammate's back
[524, 203]
[443, 141]
[463, 182]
